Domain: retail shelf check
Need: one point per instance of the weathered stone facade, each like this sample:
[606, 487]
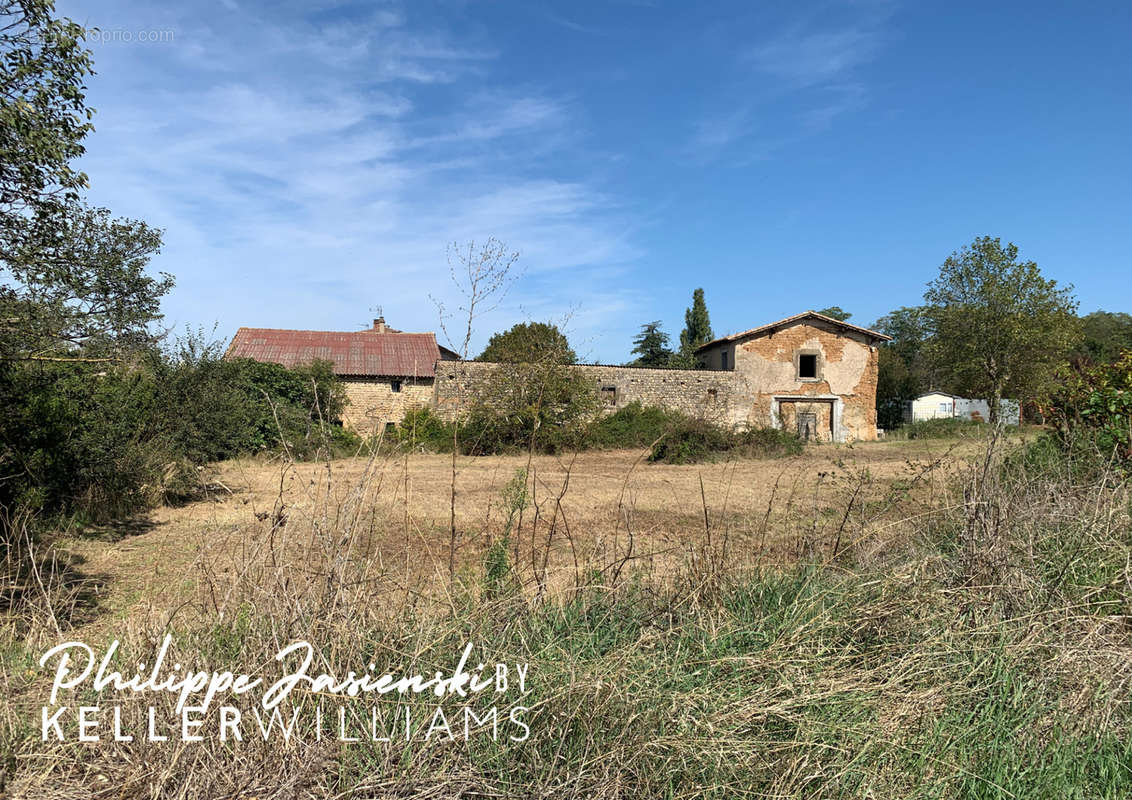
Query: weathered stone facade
[378, 401]
[809, 373]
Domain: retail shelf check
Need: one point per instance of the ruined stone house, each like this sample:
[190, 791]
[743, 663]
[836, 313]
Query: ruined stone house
[384, 371]
[808, 373]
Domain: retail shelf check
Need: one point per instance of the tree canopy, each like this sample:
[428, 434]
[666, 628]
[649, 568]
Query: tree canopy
[1105, 336]
[529, 343]
[997, 325]
[903, 371]
[43, 113]
[836, 312]
[697, 329]
[73, 276]
[651, 347]
[81, 283]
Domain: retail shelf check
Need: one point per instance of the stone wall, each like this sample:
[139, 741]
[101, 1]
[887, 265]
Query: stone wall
[373, 403]
[698, 392]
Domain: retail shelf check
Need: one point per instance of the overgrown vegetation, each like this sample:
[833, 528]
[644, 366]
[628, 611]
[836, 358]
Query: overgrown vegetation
[692, 441]
[943, 428]
[672, 437]
[109, 439]
[973, 650]
[1091, 410]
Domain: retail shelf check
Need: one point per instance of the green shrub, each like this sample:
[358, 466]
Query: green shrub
[947, 428]
[693, 440]
[222, 408]
[422, 429]
[109, 439]
[1090, 411]
[690, 441]
[546, 403]
[632, 425]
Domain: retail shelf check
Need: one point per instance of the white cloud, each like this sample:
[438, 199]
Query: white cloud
[303, 174]
[814, 57]
[800, 80]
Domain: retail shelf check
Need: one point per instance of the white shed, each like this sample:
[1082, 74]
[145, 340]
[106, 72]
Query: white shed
[941, 405]
[932, 405]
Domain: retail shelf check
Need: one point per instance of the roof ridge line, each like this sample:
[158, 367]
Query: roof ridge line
[792, 319]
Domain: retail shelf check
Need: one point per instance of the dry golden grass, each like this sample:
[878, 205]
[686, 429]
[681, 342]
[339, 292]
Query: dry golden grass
[936, 625]
[614, 505]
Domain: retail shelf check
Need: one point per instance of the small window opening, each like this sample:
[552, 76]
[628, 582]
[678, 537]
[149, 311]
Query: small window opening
[609, 395]
[807, 365]
[723, 359]
[712, 395]
[395, 385]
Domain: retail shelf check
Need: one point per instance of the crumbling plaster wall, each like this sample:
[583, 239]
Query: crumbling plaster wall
[847, 371]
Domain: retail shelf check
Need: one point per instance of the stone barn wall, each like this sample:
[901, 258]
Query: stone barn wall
[697, 392]
[373, 403]
[761, 387]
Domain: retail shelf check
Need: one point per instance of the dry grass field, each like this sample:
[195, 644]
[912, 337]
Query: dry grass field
[928, 618]
[593, 509]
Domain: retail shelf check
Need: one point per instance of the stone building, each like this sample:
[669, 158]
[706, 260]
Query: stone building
[808, 373]
[384, 371]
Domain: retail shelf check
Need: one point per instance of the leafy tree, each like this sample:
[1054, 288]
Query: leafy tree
[72, 277]
[902, 369]
[1105, 336]
[81, 287]
[528, 343]
[43, 113]
[1089, 409]
[997, 325]
[697, 330]
[651, 347]
[836, 312]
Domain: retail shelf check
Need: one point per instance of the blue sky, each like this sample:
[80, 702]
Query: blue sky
[309, 161]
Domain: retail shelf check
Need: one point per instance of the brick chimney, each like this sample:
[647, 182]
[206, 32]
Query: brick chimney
[379, 325]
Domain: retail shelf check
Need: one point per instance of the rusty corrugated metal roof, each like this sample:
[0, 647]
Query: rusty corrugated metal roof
[364, 353]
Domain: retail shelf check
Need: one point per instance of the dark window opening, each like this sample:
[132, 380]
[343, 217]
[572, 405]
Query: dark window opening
[609, 395]
[395, 385]
[713, 395]
[807, 365]
[723, 359]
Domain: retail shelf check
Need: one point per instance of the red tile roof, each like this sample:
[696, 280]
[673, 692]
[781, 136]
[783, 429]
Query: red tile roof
[363, 353]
